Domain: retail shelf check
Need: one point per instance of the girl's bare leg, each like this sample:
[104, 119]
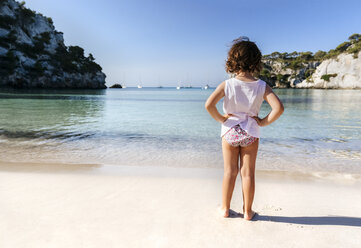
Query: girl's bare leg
[230, 158]
[248, 156]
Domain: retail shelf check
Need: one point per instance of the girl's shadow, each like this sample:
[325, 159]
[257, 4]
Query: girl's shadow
[305, 220]
[314, 220]
[234, 214]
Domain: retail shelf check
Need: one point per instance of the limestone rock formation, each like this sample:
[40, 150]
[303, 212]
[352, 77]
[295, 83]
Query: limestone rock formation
[337, 68]
[341, 72]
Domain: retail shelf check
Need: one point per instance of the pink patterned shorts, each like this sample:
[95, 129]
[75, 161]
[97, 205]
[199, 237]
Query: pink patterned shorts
[236, 136]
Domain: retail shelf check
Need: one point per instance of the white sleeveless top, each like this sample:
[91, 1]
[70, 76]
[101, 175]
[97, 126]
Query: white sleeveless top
[243, 100]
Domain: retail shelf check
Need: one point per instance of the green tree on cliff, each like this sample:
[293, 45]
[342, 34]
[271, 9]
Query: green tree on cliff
[319, 55]
[355, 38]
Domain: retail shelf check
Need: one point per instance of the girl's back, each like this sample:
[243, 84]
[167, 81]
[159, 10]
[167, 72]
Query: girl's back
[243, 100]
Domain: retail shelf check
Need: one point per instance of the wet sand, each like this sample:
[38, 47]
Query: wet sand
[63, 205]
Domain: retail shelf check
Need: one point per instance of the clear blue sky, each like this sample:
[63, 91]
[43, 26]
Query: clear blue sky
[165, 42]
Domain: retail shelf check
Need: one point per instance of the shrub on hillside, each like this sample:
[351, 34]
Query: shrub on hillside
[327, 77]
[319, 55]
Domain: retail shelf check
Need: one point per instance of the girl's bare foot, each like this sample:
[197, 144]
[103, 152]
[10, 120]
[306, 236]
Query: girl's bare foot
[249, 215]
[224, 212]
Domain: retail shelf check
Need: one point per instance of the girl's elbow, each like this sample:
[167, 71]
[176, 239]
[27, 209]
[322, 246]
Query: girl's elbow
[278, 109]
[281, 109]
[208, 105]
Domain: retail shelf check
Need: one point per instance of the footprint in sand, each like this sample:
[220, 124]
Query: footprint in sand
[271, 207]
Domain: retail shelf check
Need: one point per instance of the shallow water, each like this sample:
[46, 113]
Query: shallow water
[320, 130]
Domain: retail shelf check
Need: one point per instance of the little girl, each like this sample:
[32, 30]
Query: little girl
[243, 96]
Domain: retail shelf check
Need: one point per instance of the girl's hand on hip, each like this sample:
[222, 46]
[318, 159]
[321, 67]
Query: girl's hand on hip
[226, 116]
[259, 120]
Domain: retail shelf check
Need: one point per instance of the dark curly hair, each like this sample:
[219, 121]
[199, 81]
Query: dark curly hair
[245, 56]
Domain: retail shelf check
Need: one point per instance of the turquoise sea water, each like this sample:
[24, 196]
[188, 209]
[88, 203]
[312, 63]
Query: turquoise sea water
[320, 130]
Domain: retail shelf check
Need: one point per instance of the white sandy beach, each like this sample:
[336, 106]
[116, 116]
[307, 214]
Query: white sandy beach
[49, 205]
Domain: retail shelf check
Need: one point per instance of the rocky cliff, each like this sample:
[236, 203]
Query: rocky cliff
[344, 71]
[281, 74]
[33, 53]
[337, 68]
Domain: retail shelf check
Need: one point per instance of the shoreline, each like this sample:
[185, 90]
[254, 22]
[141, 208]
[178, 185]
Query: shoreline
[264, 174]
[92, 205]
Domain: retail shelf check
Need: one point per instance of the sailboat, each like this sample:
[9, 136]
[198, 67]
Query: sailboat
[207, 86]
[123, 85]
[140, 83]
[179, 85]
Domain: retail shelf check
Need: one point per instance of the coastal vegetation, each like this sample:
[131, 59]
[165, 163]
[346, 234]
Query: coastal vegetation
[327, 77]
[295, 59]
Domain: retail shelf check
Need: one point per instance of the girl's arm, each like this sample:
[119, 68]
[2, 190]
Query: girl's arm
[211, 102]
[276, 105]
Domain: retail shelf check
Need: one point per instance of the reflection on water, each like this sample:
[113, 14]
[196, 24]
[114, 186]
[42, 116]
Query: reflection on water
[32, 114]
[46, 92]
[319, 130]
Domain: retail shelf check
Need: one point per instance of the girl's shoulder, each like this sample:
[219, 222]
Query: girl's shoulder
[235, 81]
[227, 81]
[263, 83]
